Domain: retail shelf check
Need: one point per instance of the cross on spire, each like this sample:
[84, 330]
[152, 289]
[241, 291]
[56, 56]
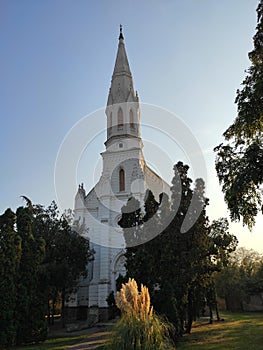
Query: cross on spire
[121, 36]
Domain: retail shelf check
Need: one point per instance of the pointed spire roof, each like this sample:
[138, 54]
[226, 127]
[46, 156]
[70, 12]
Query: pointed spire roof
[121, 82]
[121, 63]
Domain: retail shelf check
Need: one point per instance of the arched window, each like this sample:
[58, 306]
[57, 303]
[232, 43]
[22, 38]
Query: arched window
[120, 118]
[122, 180]
[131, 119]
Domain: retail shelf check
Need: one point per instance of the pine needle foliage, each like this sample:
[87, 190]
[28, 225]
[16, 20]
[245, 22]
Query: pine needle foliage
[138, 328]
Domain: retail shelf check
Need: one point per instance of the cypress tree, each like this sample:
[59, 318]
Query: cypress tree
[9, 258]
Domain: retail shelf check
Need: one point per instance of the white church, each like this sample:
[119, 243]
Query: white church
[124, 174]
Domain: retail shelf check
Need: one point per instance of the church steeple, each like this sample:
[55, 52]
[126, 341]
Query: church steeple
[121, 89]
[123, 113]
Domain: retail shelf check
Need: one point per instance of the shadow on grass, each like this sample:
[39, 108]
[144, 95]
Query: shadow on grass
[53, 343]
[77, 342]
[238, 331]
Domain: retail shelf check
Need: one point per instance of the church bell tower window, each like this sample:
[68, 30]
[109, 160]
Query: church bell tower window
[120, 118]
[122, 180]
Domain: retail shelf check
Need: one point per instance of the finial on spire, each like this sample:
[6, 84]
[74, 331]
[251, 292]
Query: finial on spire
[121, 36]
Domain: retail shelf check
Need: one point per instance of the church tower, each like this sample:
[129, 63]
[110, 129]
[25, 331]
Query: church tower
[124, 174]
[123, 112]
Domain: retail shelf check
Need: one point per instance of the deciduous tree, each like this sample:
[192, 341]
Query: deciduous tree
[239, 160]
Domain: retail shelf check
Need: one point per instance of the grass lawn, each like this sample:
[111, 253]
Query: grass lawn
[66, 342]
[54, 343]
[242, 331]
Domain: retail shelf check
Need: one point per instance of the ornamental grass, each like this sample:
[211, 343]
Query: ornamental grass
[139, 328]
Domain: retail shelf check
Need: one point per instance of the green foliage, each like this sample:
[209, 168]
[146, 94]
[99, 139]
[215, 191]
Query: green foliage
[113, 310]
[239, 162]
[138, 328]
[139, 232]
[223, 242]
[9, 259]
[66, 256]
[131, 333]
[240, 278]
[178, 264]
[41, 257]
[31, 302]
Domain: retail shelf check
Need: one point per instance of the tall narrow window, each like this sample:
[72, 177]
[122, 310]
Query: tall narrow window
[122, 180]
[131, 119]
[120, 118]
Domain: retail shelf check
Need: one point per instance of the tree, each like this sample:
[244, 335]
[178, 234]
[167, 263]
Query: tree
[142, 256]
[66, 255]
[223, 242]
[170, 263]
[240, 278]
[177, 265]
[131, 221]
[10, 250]
[41, 257]
[239, 161]
[30, 302]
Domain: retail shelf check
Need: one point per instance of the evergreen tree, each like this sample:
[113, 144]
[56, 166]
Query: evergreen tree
[41, 257]
[239, 161]
[141, 258]
[30, 303]
[146, 252]
[131, 221]
[66, 255]
[9, 259]
[175, 272]
[198, 252]
[177, 265]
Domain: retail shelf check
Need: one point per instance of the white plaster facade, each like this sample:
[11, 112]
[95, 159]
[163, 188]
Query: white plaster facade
[124, 173]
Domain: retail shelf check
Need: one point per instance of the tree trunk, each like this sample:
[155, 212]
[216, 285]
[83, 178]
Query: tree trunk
[190, 313]
[48, 313]
[210, 314]
[53, 309]
[63, 308]
[217, 312]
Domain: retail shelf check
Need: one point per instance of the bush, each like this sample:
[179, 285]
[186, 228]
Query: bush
[138, 328]
[113, 310]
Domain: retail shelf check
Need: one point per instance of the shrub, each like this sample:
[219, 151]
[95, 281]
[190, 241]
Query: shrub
[138, 328]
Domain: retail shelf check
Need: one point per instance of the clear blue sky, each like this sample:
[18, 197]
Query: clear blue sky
[56, 62]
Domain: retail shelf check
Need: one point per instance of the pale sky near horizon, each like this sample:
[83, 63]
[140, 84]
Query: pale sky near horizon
[56, 62]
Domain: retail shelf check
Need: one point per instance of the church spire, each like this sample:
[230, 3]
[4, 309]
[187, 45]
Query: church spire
[123, 111]
[121, 89]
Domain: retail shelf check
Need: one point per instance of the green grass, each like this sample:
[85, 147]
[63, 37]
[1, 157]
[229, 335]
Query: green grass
[64, 342]
[242, 331]
[54, 343]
